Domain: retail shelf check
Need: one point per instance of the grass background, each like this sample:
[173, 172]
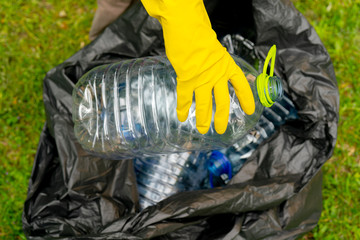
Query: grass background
[36, 35]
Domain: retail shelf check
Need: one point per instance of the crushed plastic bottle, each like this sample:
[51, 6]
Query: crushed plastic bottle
[237, 154]
[128, 109]
[161, 176]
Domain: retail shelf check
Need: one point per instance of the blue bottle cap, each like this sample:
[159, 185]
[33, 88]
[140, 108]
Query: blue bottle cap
[218, 165]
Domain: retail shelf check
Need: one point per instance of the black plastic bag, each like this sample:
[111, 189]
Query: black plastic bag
[276, 194]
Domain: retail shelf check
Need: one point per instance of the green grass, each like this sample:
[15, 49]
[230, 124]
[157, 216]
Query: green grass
[37, 35]
[338, 26]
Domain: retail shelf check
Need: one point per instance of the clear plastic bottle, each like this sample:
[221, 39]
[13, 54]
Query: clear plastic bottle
[128, 109]
[225, 163]
[161, 176]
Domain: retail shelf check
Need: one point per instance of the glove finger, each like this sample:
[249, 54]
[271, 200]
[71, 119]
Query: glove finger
[203, 110]
[184, 101]
[243, 91]
[222, 100]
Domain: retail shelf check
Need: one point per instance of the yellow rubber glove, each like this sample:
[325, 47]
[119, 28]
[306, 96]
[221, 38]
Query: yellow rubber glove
[201, 63]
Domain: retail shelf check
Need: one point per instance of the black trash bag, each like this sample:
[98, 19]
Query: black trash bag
[276, 194]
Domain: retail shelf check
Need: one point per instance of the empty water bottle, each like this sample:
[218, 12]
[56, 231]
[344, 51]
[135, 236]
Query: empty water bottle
[159, 177]
[128, 109]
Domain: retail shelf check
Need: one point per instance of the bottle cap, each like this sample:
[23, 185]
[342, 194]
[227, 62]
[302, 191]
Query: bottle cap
[218, 165]
[269, 86]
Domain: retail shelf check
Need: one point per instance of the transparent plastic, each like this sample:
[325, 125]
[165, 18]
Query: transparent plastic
[161, 176]
[128, 109]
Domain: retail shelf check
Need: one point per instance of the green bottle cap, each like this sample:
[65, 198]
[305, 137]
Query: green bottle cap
[269, 86]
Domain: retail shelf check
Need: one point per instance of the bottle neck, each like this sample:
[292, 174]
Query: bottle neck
[269, 89]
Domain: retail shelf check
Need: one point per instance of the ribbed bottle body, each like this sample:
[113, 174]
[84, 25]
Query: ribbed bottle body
[128, 109]
[161, 176]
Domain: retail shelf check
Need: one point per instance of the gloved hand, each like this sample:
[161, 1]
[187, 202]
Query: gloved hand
[201, 63]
